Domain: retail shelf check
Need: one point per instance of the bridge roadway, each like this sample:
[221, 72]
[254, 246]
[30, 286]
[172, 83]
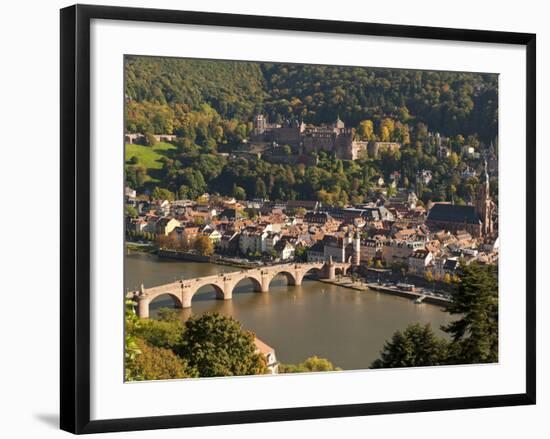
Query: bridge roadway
[224, 283]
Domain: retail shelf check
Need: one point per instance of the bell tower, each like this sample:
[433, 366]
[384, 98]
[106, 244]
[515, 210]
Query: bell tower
[484, 204]
[356, 245]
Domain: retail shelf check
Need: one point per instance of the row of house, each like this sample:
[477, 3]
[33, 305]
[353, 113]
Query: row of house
[394, 231]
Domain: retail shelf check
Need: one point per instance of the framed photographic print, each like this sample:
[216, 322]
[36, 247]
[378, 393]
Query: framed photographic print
[270, 219]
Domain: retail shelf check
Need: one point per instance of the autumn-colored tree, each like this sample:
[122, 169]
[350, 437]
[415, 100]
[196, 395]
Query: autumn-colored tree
[167, 242]
[429, 276]
[386, 129]
[153, 363]
[203, 245]
[365, 130]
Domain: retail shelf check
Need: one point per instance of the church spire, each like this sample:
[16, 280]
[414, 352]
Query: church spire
[485, 178]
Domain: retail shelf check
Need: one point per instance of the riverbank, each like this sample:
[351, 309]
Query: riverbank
[137, 247]
[361, 286]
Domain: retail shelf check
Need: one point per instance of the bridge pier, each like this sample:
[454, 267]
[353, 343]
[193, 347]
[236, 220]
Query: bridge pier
[265, 284]
[143, 308]
[186, 299]
[330, 272]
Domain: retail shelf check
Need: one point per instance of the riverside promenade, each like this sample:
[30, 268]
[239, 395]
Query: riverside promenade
[346, 282]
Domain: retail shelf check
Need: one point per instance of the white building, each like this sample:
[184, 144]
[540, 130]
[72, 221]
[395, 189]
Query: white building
[269, 354]
[285, 250]
[397, 251]
[419, 260]
[254, 239]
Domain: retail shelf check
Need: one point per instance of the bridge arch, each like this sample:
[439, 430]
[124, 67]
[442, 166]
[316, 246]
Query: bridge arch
[175, 297]
[218, 291]
[256, 283]
[290, 278]
[303, 271]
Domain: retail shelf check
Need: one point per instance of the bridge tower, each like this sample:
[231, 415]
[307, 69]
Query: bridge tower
[330, 269]
[356, 245]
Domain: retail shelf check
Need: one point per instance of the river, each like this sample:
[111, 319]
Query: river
[347, 327]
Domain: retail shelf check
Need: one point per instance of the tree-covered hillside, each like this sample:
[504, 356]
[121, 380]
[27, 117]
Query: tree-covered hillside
[452, 103]
[209, 106]
[449, 102]
[232, 88]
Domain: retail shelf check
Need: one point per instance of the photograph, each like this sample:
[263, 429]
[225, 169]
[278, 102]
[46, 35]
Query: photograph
[286, 218]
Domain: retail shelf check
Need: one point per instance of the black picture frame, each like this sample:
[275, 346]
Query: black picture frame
[75, 217]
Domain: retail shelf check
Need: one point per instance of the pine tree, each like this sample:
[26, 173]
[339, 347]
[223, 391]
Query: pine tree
[475, 334]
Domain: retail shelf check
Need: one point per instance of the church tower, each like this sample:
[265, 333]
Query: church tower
[356, 245]
[483, 203]
[339, 124]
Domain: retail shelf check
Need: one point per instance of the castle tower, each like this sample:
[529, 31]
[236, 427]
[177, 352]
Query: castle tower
[259, 124]
[483, 203]
[356, 245]
[339, 124]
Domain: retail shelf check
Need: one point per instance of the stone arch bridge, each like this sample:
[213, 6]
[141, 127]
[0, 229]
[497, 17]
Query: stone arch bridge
[182, 291]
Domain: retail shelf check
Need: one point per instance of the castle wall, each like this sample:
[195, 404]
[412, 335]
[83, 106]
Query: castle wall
[321, 141]
[287, 136]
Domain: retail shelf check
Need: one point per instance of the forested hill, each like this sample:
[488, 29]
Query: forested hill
[448, 102]
[232, 88]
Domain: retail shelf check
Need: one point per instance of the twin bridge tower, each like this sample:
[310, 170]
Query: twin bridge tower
[182, 291]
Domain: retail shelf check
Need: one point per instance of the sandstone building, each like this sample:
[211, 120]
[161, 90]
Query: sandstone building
[334, 138]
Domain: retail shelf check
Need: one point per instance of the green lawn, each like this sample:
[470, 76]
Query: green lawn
[148, 156]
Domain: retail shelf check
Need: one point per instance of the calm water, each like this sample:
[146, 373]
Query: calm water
[348, 327]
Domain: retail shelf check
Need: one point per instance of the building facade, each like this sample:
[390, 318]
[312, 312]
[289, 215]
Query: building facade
[335, 138]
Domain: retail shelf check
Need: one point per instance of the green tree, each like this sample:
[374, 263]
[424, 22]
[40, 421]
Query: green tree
[475, 334]
[130, 211]
[311, 364]
[162, 194]
[131, 347]
[287, 150]
[300, 253]
[239, 193]
[216, 345]
[416, 346]
[163, 332]
[150, 139]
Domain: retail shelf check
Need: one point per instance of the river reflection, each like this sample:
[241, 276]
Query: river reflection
[348, 327]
